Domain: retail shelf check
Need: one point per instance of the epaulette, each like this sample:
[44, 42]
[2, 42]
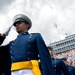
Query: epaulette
[34, 33]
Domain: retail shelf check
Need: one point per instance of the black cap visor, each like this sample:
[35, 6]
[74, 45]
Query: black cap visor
[18, 20]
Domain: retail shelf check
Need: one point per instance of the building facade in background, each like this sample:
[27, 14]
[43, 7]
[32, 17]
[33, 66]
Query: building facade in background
[64, 45]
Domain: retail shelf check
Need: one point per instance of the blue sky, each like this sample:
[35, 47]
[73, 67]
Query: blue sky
[54, 19]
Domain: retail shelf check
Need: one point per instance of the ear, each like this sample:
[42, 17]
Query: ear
[27, 26]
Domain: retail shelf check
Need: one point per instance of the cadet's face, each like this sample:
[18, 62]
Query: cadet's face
[51, 52]
[66, 62]
[21, 27]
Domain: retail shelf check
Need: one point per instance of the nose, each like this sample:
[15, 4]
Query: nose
[17, 25]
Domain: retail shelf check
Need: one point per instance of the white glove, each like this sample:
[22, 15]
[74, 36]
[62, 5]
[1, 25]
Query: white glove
[7, 32]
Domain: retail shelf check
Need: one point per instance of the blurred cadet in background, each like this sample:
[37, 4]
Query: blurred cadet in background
[70, 68]
[58, 65]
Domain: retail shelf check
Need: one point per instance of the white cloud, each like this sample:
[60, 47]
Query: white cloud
[44, 15]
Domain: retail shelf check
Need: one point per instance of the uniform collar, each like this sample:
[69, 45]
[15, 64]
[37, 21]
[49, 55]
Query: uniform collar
[24, 33]
[52, 58]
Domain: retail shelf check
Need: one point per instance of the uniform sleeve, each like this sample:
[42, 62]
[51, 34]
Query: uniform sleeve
[5, 61]
[46, 63]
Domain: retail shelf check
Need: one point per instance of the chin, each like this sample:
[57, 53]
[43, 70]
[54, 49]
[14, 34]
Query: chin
[19, 32]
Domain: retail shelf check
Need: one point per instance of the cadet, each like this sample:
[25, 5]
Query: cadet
[58, 65]
[70, 68]
[26, 48]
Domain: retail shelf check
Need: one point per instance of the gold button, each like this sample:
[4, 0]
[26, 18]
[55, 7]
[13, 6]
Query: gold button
[69, 70]
[10, 46]
[29, 40]
[28, 58]
[10, 51]
[24, 33]
[28, 52]
[11, 56]
[29, 46]
[12, 43]
[55, 65]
